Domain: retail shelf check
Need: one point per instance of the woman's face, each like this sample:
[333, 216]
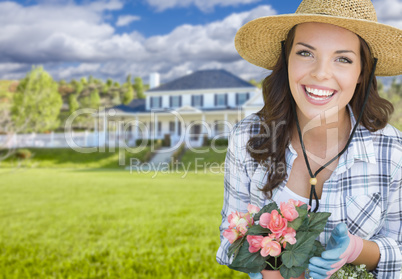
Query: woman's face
[324, 68]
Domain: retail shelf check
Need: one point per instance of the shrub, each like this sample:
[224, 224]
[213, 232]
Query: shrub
[23, 154]
[148, 142]
[166, 140]
[220, 142]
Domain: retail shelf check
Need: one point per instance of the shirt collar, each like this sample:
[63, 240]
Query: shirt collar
[361, 147]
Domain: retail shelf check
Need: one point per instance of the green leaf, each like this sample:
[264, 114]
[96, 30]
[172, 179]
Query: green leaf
[298, 254]
[302, 210]
[318, 249]
[235, 246]
[293, 272]
[258, 230]
[304, 227]
[248, 262]
[268, 208]
[299, 221]
[295, 224]
[317, 221]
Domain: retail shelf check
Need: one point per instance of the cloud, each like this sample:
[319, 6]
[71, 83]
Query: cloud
[126, 20]
[389, 12]
[203, 5]
[76, 40]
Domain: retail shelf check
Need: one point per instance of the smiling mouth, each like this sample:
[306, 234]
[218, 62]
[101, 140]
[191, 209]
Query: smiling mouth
[318, 94]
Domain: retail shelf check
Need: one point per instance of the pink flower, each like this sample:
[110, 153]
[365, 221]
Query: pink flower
[289, 236]
[242, 226]
[239, 219]
[298, 203]
[249, 219]
[270, 247]
[233, 219]
[277, 224]
[289, 211]
[254, 242]
[252, 209]
[231, 234]
[265, 218]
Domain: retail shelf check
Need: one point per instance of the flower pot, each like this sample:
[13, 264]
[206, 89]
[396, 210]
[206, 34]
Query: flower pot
[275, 274]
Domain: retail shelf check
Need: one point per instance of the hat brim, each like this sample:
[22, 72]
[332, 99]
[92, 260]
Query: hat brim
[259, 41]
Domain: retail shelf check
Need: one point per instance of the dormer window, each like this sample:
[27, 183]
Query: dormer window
[197, 100]
[156, 102]
[221, 99]
[175, 101]
[241, 98]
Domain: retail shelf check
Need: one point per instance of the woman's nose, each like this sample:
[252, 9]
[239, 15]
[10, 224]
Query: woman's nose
[322, 70]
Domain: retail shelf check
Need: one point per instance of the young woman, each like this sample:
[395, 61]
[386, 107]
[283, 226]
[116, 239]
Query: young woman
[322, 136]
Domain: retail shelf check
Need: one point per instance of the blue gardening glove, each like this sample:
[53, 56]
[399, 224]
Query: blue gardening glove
[342, 248]
[255, 275]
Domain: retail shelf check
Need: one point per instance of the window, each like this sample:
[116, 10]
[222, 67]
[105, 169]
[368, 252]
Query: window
[196, 100]
[171, 126]
[219, 126]
[195, 131]
[221, 99]
[175, 101]
[241, 98]
[156, 102]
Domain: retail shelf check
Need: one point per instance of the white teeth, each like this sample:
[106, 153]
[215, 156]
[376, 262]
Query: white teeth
[319, 92]
[319, 95]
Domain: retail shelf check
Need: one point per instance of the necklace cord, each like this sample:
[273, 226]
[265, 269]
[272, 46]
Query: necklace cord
[313, 176]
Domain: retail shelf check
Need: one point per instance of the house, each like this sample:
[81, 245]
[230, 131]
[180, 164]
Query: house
[203, 103]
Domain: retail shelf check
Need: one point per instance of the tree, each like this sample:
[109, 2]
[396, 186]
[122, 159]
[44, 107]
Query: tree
[37, 102]
[91, 79]
[128, 80]
[94, 99]
[128, 93]
[84, 81]
[72, 103]
[91, 101]
[109, 82]
[396, 87]
[139, 88]
[256, 83]
[78, 86]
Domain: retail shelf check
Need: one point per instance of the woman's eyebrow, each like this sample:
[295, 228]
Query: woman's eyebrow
[344, 51]
[337, 52]
[306, 45]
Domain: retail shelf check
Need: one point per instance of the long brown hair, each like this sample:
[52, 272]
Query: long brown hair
[269, 146]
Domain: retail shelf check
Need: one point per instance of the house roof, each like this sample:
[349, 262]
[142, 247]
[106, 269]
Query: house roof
[205, 79]
[136, 105]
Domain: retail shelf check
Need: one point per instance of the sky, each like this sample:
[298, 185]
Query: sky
[115, 38]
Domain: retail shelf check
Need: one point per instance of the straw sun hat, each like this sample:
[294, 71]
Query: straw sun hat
[259, 41]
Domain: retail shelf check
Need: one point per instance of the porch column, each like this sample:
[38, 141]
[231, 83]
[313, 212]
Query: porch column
[156, 127]
[225, 128]
[105, 130]
[95, 136]
[203, 128]
[137, 129]
[176, 127]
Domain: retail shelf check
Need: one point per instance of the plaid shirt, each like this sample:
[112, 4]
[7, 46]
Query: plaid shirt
[364, 191]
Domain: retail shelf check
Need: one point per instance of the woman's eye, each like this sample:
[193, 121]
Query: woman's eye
[304, 53]
[345, 60]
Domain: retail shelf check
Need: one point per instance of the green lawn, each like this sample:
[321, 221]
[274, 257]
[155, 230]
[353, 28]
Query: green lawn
[69, 158]
[59, 223]
[205, 158]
